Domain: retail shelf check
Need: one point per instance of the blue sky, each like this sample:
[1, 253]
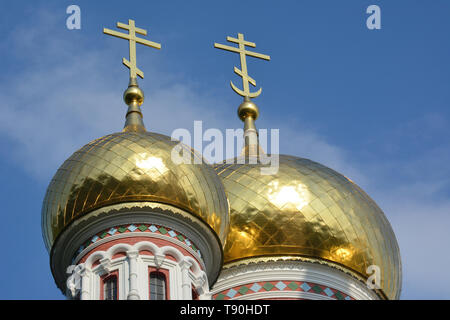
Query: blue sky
[371, 104]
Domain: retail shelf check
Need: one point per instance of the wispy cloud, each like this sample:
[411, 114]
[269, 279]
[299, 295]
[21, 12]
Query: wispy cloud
[55, 105]
[410, 180]
[62, 99]
[421, 228]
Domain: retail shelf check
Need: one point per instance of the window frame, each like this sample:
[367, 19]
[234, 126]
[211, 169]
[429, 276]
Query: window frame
[104, 279]
[165, 274]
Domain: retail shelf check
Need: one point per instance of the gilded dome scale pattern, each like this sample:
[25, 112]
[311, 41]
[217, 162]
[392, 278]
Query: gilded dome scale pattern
[131, 166]
[308, 210]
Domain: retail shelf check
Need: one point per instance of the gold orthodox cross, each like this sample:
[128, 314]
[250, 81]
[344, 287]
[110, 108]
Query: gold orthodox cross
[131, 36]
[243, 72]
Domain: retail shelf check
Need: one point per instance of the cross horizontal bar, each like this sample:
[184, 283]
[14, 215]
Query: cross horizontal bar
[225, 47]
[138, 71]
[125, 36]
[247, 43]
[246, 76]
[128, 37]
[257, 55]
[127, 27]
[148, 43]
[237, 50]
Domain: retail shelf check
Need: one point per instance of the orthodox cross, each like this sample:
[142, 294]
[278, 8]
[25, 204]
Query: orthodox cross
[131, 37]
[243, 71]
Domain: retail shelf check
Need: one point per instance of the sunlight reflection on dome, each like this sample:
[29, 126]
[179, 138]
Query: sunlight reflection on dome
[148, 163]
[296, 194]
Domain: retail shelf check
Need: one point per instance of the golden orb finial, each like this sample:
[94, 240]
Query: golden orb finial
[134, 97]
[133, 94]
[248, 109]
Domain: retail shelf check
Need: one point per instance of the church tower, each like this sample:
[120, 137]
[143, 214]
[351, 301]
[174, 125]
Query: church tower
[304, 232]
[122, 221]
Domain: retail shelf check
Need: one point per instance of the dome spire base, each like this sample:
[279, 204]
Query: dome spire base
[248, 112]
[134, 97]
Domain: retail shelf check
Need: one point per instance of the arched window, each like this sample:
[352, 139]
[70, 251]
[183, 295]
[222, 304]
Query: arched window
[157, 286]
[110, 288]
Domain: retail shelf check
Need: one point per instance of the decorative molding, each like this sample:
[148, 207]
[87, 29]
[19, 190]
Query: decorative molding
[294, 262]
[132, 254]
[105, 263]
[317, 277]
[159, 252]
[294, 295]
[136, 229]
[282, 289]
[294, 259]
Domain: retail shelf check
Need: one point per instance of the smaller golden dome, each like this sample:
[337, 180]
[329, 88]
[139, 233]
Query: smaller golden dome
[311, 211]
[130, 167]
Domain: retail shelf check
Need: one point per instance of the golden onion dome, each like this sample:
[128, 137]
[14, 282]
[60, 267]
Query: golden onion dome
[131, 166]
[311, 211]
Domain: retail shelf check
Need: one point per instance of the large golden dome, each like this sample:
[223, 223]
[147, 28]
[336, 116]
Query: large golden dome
[130, 167]
[308, 210]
